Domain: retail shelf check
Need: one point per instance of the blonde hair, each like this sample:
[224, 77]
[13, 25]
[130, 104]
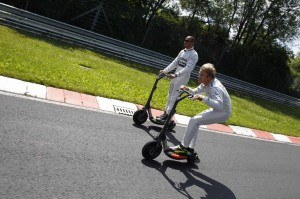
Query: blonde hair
[209, 69]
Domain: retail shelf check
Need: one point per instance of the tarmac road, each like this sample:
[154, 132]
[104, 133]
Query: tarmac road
[54, 151]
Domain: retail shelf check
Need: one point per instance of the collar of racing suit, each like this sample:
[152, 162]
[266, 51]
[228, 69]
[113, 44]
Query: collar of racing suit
[188, 49]
[209, 84]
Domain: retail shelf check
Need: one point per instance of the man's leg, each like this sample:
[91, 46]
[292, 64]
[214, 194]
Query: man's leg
[208, 116]
[164, 115]
[173, 95]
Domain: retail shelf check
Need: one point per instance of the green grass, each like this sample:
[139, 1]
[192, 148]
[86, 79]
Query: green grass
[54, 63]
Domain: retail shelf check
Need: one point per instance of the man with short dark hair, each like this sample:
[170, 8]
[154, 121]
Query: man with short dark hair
[184, 64]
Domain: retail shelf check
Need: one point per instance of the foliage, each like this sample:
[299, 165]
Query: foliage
[244, 39]
[248, 33]
[294, 64]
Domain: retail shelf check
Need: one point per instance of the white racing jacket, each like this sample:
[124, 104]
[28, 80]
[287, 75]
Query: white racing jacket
[184, 63]
[216, 96]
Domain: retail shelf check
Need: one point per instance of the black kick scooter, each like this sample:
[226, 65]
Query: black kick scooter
[141, 116]
[152, 149]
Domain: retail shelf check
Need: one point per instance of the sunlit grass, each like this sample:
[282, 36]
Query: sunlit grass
[58, 64]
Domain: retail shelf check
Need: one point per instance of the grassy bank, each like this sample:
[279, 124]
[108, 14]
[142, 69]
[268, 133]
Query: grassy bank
[54, 63]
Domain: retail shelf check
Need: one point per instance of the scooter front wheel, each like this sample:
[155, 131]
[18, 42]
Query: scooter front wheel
[151, 150]
[140, 116]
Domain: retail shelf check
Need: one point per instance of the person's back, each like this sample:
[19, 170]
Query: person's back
[217, 86]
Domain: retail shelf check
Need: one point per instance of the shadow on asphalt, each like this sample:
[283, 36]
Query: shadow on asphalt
[157, 129]
[213, 188]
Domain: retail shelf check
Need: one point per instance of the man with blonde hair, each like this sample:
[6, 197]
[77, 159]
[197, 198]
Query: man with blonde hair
[216, 96]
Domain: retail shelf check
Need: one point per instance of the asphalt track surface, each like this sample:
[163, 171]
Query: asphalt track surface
[58, 151]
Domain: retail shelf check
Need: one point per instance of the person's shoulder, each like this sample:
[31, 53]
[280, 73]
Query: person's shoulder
[218, 84]
[182, 51]
[215, 83]
[194, 52]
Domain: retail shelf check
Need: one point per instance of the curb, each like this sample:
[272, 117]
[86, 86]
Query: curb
[125, 108]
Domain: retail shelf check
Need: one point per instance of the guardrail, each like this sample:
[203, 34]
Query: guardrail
[28, 21]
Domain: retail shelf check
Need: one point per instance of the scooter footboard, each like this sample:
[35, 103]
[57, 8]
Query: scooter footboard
[175, 156]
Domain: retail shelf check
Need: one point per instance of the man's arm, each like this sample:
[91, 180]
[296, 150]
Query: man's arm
[215, 101]
[173, 65]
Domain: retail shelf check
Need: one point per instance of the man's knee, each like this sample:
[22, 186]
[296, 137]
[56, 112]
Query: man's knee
[194, 121]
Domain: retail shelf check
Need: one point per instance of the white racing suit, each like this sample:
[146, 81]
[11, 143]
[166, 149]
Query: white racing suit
[217, 97]
[184, 64]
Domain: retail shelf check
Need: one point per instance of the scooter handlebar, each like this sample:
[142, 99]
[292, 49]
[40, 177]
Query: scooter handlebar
[189, 95]
[161, 75]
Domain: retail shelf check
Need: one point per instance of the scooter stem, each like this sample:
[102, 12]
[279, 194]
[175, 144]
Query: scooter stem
[147, 105]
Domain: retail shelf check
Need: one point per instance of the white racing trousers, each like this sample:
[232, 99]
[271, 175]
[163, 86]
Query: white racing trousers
[174, 91]
[206, 117]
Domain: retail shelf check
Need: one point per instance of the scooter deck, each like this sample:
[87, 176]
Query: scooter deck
[156, 121]
[176, 156]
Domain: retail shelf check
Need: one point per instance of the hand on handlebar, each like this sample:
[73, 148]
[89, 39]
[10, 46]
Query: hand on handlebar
[198, 97]
[171, 76]
[184, 88]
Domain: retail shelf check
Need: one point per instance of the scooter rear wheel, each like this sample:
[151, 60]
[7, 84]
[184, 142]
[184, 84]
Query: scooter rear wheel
[140, 116]
[151, 150]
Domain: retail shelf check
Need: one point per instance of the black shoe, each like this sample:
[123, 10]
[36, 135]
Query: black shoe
[164, 117]
[161, 115]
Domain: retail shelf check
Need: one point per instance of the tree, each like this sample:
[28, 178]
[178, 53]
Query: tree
[150, 9]
[294, 64]
[263, 21]
[243, 38]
